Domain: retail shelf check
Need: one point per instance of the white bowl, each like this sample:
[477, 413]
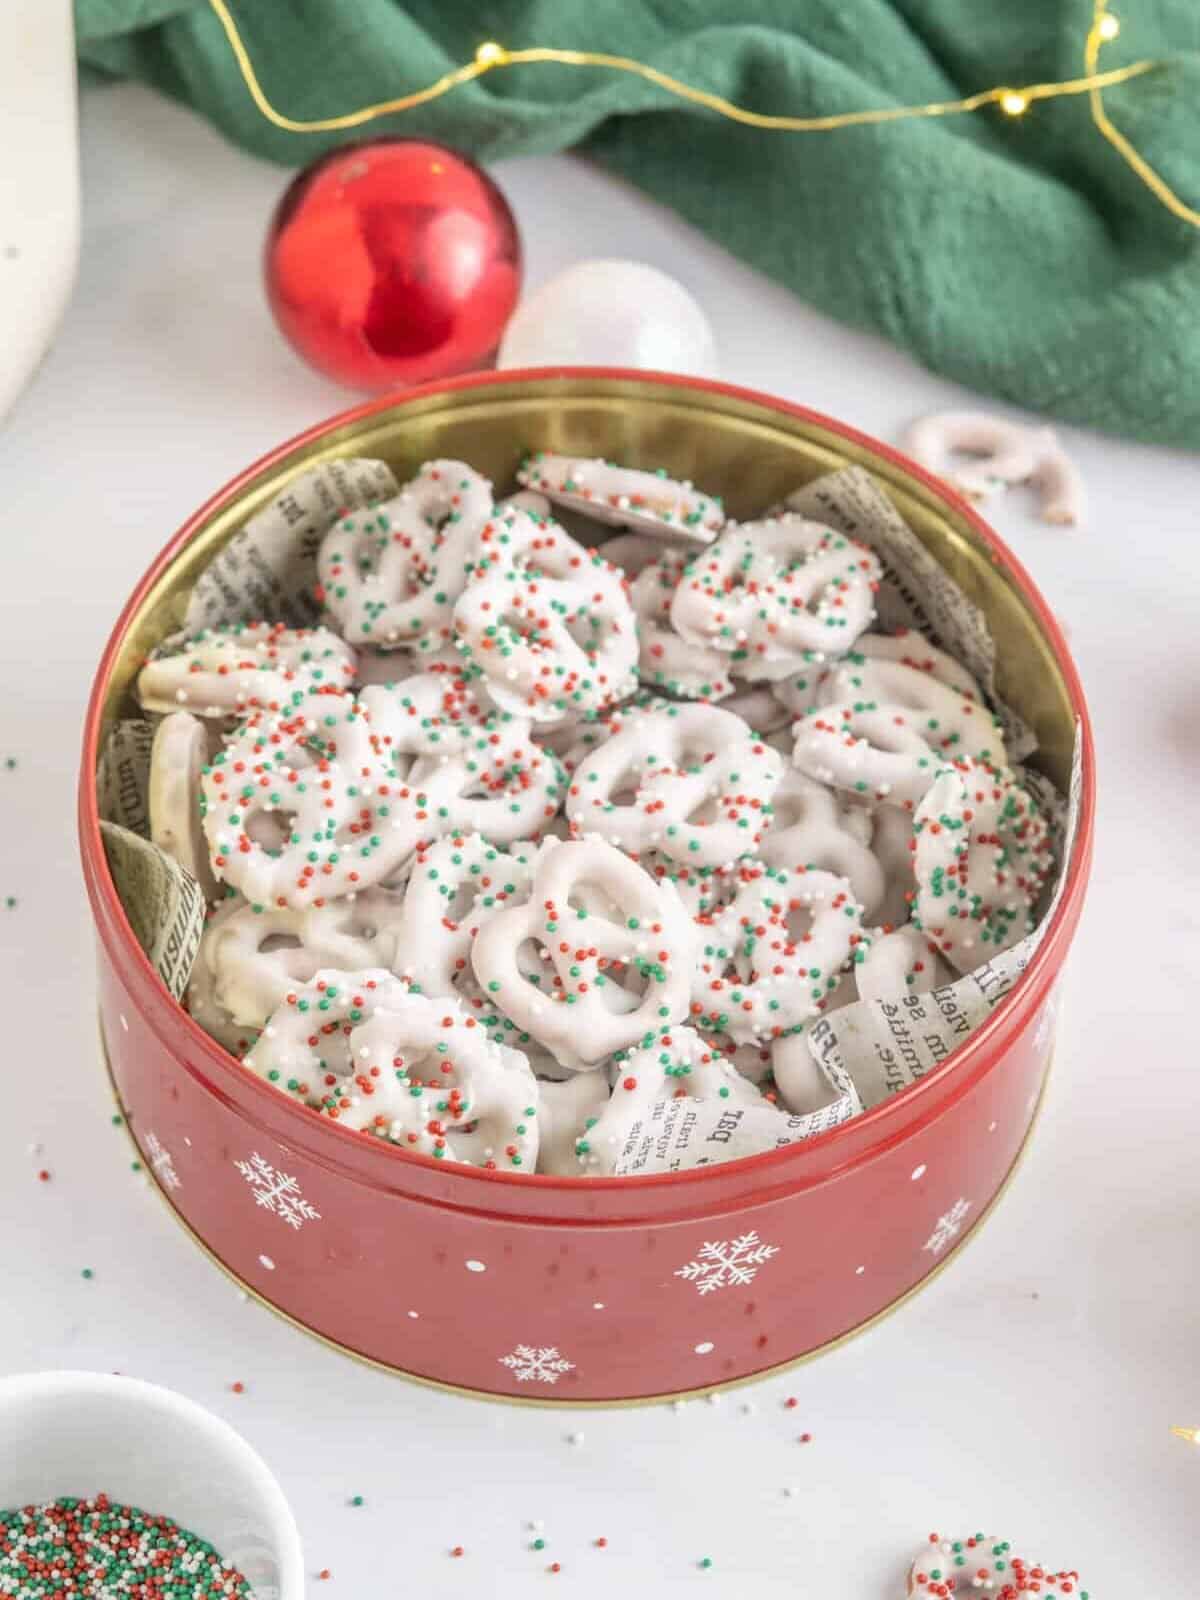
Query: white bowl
[82, 1433]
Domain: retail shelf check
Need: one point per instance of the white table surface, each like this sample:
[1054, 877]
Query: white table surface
[1029, 1391]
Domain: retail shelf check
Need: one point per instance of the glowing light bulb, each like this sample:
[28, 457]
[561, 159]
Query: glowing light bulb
[1109, 26]
[1013, 103]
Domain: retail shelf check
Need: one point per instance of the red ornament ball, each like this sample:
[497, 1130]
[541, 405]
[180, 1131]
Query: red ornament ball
[392, 262]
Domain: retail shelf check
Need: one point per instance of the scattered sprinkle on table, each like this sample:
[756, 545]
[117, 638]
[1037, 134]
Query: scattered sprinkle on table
[601, 1544]
[43, 1176]
[791, 1402]
[324, 1574]
[538, 1544]
[555, 1566]
[806, 1438]
[239, 1387]
[357, 1500]
[10, 763]
[458, 1551]
[100, 1548]
[87, 1273]
[705, 1563]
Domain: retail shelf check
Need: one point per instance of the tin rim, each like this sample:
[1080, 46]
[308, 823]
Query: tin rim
[783, 1168]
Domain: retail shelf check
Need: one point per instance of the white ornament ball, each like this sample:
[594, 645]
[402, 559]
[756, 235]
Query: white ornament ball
[611, 314]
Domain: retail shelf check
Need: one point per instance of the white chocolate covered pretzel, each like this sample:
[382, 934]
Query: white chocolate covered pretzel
[178, 756]
[646, 502]
[201, 999]
[767, 592]
[913, 649]
[1008, 453]
[227, 671]
[258, 956]
[567, 1108]
[983, 1565]
[769, 960]
[805, 688]
[892, 846]
[814, 827]
[546, 623]
[760, 708]
[323, 774]
[689, 781]
[456, 885]
[678, 1065]
[983, 856]
[364, 1050]
[900, 962]
[463, 774]
[593, 919]
[667, 663]
[632, 552]
[884, 729]
[951, 722]
[390, 575]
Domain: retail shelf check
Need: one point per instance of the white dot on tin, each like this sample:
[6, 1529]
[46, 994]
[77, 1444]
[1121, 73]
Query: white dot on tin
[187, 1141]
[123, 1022]
[858, 1271]
[414, 1315]
[704, 1347]
[992, 1126]
[268, 1263]
[597, 1305]
[919, 1172]
[475, 1266]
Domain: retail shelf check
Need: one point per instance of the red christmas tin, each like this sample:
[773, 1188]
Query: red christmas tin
[605, 1288]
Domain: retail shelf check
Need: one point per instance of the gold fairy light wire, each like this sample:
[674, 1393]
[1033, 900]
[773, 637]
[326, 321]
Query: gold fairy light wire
[1012, 101]
[1192, 1435]
[1106, 27]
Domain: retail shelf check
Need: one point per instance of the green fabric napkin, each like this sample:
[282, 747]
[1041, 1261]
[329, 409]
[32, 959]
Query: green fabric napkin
[1019, 256]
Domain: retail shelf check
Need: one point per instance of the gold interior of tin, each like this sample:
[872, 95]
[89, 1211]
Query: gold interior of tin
[742, 450]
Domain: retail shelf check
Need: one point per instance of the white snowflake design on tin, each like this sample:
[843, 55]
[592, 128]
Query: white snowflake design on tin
[948, 1227]
[540, 1365]
[727, 1263]
[161, 1162]
[277, 1192]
